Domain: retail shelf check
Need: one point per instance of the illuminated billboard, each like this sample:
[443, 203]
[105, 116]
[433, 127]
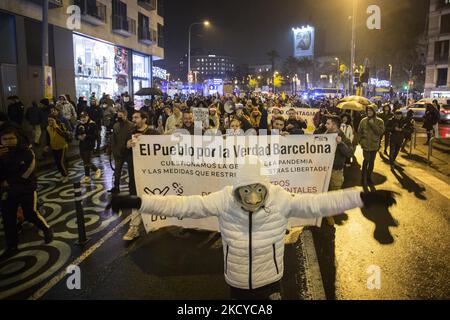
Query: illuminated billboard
[303, 42]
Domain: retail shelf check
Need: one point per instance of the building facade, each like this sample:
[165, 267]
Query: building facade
[437, 83]
[208, 66]
[93, 46]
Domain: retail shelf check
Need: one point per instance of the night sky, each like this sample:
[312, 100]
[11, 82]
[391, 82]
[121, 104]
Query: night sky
[248, 29]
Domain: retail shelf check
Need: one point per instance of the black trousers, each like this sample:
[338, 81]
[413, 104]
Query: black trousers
[387, 141]
[269, 292]
[86, 156]
[98, 139]
[394, 150]
[10, 204]
[119, 162]
[368, 165]
[60, 161]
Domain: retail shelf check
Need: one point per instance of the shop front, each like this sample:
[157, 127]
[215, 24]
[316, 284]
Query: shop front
[100, 67]
[141, 76]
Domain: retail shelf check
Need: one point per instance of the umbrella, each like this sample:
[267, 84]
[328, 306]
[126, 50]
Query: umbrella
[359, 99]
[351, 105]
[149, 92]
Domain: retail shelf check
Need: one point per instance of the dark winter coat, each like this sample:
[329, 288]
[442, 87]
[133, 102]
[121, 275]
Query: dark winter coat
[121, 133]
[90, 129]
[396, 136]
[298, 126]
[16, 112]
[344, 150]
[34, 115]
[431, 118]
[18, 170]
[96, 114]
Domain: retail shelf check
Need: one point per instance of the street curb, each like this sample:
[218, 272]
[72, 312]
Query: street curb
[312, 273]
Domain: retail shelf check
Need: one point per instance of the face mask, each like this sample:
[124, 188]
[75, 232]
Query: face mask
[252, 197]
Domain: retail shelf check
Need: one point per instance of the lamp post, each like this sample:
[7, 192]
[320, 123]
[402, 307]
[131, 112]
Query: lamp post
[205, 23]
[390, 74]
[338, 79]
[353, 46]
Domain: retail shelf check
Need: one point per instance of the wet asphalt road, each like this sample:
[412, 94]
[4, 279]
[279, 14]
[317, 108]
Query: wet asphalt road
[410, 243]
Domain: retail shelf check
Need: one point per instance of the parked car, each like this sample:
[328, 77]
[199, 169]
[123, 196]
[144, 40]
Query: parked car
[445, 113]
[420, 107]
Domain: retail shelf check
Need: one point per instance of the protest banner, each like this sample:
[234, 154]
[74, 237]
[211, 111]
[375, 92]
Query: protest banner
[195, 165]
[201, 115]
[305, 113]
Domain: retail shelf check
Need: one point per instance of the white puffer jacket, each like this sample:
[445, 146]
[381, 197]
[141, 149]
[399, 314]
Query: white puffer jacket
[253, 243]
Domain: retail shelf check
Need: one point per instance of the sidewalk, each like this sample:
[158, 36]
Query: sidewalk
[440, 158]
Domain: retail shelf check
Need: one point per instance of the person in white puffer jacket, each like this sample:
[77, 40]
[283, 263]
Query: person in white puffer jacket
[253, 216]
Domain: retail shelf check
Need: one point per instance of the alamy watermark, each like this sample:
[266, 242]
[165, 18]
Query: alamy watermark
[374, 279]
[73, 281]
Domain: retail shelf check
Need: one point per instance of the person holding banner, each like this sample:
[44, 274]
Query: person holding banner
[253, 216]
[121, 133]
[141, 122]
[278, 126]
[295, 124]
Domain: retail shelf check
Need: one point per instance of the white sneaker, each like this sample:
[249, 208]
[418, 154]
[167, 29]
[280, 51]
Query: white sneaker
[86, 180]
[98, 174]
[133, 233]
[65, 179]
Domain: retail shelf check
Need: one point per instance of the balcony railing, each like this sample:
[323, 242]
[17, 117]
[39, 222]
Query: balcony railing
[147, 36]
[124, 26]
[441, 60]
[51, 3]
[92, 11]
[148, 4]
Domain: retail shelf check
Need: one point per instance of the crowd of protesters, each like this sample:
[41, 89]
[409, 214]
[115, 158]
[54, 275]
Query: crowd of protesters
[117, 122]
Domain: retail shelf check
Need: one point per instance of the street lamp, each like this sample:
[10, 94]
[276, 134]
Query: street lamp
[206, 24]
[274, 76]
[390, 74]
[353, 46]
[338, 80]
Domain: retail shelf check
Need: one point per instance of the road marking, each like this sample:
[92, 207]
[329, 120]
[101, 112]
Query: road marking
[54, 281]
[437, 184]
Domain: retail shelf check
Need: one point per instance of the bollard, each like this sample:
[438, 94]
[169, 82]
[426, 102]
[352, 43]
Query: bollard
[82, 240]
[413, 140]
[430, 150]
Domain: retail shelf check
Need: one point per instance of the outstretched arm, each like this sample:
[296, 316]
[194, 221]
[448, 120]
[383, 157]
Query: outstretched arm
[337, 202]
[195, 207]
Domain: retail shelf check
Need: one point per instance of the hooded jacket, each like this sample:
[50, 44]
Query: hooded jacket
[66, 108]
[90, 129]
[370, 132]
[253, 242]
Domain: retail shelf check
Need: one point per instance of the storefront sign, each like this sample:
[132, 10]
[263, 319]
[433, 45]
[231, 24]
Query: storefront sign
[48, 78]
[159, 73]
